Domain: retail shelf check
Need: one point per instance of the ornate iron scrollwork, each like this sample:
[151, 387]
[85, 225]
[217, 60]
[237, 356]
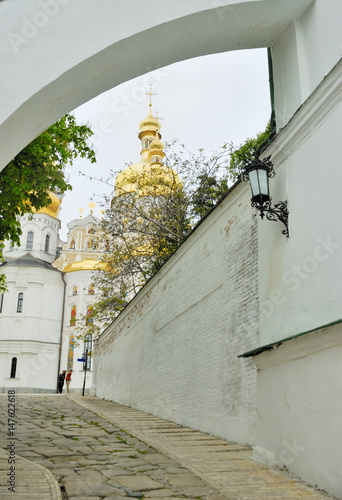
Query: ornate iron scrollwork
[277, 213]
[280, 211]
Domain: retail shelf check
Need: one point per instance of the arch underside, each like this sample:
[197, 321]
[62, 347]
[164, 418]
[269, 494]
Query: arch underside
[68, 63]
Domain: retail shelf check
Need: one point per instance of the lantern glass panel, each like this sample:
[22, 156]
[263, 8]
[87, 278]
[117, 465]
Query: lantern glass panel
[254, 183]
[263, 181]
[258, 179]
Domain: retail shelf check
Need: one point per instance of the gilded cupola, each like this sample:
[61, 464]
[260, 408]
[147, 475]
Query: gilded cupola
[53, 208]
[150, 169]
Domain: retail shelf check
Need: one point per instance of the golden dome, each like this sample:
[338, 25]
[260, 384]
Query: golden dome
[51, 209]
[86, 265]
[144, 180]
[148, 176]
[149, 124]
[156, 147]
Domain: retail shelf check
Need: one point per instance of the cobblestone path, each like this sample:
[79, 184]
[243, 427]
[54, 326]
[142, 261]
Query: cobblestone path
[91, 458]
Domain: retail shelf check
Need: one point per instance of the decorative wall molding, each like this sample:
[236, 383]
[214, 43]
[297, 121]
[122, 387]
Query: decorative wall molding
[308, 117]
[302, 347]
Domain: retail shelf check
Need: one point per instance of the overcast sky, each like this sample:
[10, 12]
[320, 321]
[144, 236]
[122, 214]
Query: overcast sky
[204, 102]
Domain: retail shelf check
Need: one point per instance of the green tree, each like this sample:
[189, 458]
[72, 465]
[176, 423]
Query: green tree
[246, 152]
[39, 168]
[144, 231]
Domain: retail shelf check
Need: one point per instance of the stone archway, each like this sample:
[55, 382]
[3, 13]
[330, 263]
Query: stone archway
[58, 54]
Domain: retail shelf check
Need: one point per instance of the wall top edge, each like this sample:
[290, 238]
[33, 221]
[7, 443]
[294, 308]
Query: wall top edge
[308, 117]
[277, 343]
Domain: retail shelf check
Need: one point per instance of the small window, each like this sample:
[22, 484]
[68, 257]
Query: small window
[29, 241]
[89, 318]
[1, 302]
[87, 349]
[47, 243]
[20, 302]
[71, 351]
[73, 316]
[72, 244]
[13, 367]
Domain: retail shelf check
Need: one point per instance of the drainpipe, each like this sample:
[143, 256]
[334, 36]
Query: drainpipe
[61, 334]
[271, 84]
[273, 127]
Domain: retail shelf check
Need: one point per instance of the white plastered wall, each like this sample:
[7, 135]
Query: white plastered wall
[298, 276]
[173, 351]
[41, 225]
[32, 336]
[300, 408]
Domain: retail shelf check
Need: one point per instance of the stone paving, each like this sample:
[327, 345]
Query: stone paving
[98, 449]
[92, 458]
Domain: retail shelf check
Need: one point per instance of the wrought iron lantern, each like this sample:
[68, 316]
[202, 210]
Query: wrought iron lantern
[258, 173]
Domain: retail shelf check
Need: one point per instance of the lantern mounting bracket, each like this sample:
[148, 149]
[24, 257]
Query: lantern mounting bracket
[279, 212]
[263, 201]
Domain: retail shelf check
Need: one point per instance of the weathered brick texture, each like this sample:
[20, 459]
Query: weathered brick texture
[173, 351]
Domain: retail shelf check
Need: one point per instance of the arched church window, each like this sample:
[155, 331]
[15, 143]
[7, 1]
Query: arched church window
[20, 302]
[89, 318]
[72, 244]
[87, 349]
[74, 290]
[73, 316]
[29, 240]
[71, 351]
[13, 367]
[47, 244]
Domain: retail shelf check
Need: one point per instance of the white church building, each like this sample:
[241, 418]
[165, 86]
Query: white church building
[49, 296]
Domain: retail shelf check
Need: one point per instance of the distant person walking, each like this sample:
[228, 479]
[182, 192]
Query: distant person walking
[60, 381]
[68, 379]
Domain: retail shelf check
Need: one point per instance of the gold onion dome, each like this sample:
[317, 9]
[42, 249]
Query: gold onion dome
[149, 124]
[53, 208]
[86, 265]
[157, 147]
[139, 177]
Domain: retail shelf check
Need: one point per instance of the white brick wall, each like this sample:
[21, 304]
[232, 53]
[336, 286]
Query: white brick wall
[173, 351]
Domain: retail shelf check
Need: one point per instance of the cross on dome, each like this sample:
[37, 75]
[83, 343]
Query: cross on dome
[150, 93]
